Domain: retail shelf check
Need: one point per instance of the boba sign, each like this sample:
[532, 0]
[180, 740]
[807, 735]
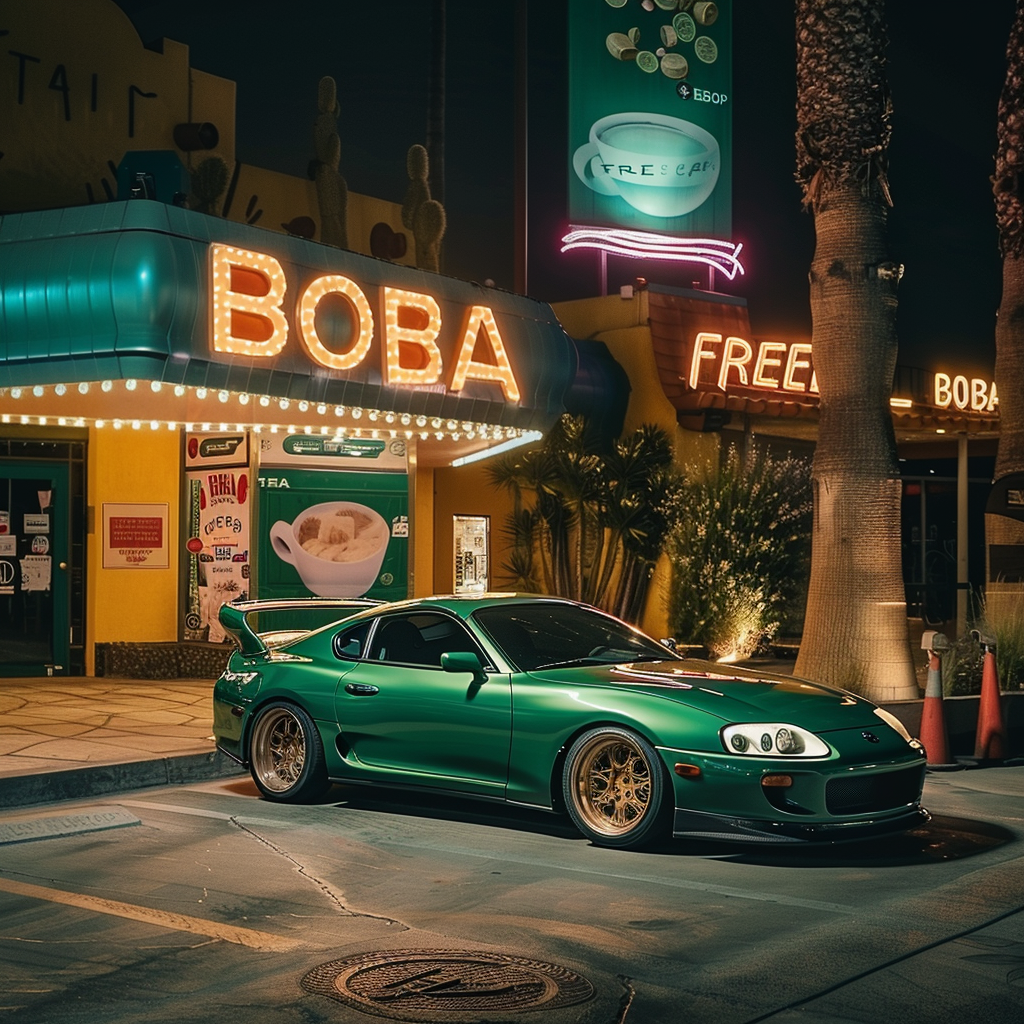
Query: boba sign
[650, 116]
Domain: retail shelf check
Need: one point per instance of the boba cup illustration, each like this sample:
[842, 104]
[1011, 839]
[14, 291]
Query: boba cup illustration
[337, 547]
[660, 165]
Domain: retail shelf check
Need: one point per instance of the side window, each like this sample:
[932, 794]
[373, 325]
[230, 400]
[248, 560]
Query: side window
[420, 639]
[351, 642]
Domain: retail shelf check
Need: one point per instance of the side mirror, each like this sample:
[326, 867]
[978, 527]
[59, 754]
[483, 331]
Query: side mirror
[463, 661]
[669, 642]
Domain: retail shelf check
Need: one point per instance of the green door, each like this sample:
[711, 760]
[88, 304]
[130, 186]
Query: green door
[34, 570]
[400, 711]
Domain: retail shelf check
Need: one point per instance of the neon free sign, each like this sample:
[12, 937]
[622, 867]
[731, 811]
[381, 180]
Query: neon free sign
[248, 291]
[722, 361]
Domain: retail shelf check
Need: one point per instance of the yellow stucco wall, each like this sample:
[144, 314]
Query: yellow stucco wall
[85, 91]
[466, 491]
[422, 530]
[622, 325]
[132, 604]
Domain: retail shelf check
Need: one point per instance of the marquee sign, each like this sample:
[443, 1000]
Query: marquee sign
[708, 359]
[150, 292]
[248, 291]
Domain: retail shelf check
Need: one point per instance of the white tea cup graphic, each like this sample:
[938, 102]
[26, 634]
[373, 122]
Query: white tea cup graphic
[337, 547]
[662, 166]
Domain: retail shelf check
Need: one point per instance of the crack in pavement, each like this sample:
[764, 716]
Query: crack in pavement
[324, 886]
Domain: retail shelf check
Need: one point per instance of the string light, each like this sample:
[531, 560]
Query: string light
[425, 427]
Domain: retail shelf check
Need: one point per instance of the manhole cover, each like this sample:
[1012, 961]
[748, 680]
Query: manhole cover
[446, 984]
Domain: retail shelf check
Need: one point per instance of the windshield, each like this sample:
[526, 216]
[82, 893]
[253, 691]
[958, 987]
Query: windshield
[554, 635]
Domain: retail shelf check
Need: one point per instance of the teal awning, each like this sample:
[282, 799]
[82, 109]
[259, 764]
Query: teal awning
[121, 290]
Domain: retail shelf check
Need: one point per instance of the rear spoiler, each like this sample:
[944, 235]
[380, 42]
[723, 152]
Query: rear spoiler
[234, 617]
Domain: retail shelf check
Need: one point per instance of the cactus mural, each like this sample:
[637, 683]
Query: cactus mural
[331, 189]
[423, 216]
[208, 179]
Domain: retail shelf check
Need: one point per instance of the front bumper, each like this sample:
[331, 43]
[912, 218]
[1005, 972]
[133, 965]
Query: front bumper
[705, 825]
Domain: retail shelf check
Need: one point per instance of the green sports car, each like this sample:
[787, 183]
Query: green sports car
[547, 703]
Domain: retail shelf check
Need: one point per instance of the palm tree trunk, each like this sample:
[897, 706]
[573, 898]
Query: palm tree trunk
[1000, 597]
[1009, 377]
[855, 631]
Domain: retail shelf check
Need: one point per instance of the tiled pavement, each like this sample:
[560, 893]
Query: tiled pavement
[64, 737]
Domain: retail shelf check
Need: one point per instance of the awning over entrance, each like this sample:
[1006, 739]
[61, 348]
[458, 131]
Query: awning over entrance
[145, 292]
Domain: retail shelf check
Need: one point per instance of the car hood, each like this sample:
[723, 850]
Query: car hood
[729, 692]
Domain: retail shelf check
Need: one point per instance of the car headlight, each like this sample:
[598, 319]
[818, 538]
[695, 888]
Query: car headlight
[772, 739]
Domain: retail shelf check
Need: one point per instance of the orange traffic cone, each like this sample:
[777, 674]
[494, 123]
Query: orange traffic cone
[990, 742]
[933, 723]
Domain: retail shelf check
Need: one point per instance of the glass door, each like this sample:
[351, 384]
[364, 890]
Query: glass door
[34, 611]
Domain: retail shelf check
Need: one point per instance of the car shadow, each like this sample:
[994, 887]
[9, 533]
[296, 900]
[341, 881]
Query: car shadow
[439, 807]
[941, 839]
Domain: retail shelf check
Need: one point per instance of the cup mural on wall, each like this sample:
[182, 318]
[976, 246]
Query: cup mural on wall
[650, 117]
[332, 533]
[337, 547]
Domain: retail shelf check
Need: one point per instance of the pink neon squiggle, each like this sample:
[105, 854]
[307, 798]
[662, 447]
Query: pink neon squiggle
[713, 252]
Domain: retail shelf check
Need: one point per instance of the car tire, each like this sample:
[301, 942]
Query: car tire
[613, 784]
[286, 755]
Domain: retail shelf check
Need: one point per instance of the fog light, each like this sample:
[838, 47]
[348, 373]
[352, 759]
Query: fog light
[688, 771]
[782, 781]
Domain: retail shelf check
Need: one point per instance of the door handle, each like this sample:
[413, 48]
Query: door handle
[361, 689]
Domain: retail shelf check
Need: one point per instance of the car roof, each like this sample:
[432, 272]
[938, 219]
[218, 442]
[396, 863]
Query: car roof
[465, 604]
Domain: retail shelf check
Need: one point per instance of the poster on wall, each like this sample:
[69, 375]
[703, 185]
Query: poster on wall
[331, 533]
[135, 535]
[470, 553]
[217, 528]
[650, 117]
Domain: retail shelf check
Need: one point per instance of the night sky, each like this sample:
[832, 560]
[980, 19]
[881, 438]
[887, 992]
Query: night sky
[946, 67]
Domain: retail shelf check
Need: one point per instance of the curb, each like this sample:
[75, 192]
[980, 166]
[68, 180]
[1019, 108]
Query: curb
[100, 780]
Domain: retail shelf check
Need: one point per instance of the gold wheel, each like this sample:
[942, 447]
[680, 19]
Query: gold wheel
[286, 756]
[612, 787]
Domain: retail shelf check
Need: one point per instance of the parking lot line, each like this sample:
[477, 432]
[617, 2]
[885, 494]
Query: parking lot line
[160, 918]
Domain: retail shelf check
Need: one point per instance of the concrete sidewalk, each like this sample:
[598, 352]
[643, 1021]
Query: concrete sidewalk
[71, 737]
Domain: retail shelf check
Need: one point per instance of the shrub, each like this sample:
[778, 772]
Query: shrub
[739, 550]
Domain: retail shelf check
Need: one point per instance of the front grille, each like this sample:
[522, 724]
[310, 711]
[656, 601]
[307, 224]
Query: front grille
[862, 794]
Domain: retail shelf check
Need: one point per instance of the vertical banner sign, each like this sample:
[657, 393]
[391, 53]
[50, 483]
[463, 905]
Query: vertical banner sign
[650, 116]
[217, 518]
